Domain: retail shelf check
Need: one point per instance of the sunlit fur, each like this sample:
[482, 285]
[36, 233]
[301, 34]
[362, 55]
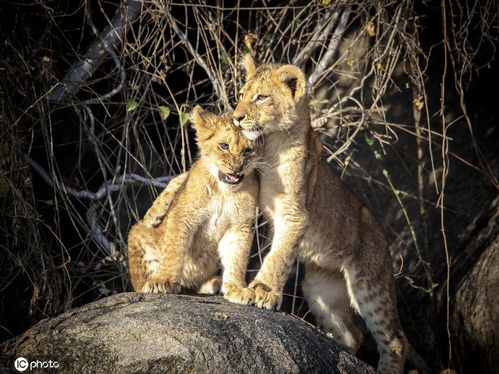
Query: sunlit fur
[199, 221]
[317, 220]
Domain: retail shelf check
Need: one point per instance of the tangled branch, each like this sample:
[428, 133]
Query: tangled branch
[115, 185]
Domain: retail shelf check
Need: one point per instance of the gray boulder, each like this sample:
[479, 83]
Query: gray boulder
[161, 333]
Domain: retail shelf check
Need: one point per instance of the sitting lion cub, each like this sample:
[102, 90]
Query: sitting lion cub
[207, 214]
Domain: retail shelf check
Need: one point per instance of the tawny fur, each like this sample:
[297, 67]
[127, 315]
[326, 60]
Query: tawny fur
[199, 219]
[317, 220]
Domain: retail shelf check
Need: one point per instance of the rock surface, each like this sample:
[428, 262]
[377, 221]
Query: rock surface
[161, 333]
[475, 305]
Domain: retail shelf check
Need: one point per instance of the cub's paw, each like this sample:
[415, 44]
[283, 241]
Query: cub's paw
[211, 286]
[265, 297]
[237, 294]
[161, 285]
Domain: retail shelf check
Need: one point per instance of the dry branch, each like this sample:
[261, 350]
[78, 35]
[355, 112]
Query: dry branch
[96, 54]
[320, 34]
[104, 191]
[326, 60]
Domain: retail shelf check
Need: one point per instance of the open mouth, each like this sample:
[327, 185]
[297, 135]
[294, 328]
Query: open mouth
[230, 178]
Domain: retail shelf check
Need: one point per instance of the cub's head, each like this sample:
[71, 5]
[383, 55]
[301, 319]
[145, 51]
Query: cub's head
[269, 101]
[228, 154]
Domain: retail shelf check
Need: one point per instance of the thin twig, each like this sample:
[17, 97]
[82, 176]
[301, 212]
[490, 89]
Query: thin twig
[219, 90]
[445, 171]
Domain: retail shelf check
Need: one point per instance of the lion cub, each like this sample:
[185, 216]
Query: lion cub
[205, 216]
[316, 220]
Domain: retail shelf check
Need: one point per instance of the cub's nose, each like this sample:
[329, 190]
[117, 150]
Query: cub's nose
[238, 118]
[235, 169]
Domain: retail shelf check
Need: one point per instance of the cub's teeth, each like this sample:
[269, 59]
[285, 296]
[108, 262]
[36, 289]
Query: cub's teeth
[231, 178]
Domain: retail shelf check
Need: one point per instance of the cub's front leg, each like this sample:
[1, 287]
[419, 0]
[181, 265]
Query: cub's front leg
[234, 249]
[289, 225]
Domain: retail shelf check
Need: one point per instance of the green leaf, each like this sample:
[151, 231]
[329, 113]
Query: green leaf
[131, 105]
[326, 2]
[245, 50]
[184, 118]
[314, 102]
[369, 141]
[224, 58]
[164, 112]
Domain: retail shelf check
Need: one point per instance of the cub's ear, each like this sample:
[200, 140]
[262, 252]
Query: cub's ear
[249, 65]
[204, 123]
[293, 78]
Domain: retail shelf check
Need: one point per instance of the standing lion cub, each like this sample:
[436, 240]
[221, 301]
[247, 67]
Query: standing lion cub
[205, 215]
[317, 220]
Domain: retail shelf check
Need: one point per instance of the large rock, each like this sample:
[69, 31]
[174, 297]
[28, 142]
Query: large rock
[475, 305]
[161, 333]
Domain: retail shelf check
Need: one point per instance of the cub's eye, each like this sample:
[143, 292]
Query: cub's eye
[261, 97]
[248, 151]
[224, 146]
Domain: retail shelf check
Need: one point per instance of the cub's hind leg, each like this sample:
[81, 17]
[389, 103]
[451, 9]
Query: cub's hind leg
[146, 261]
[160, 207]
[143, 257]
[327, 297]
[141, 262]
[372, 294]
